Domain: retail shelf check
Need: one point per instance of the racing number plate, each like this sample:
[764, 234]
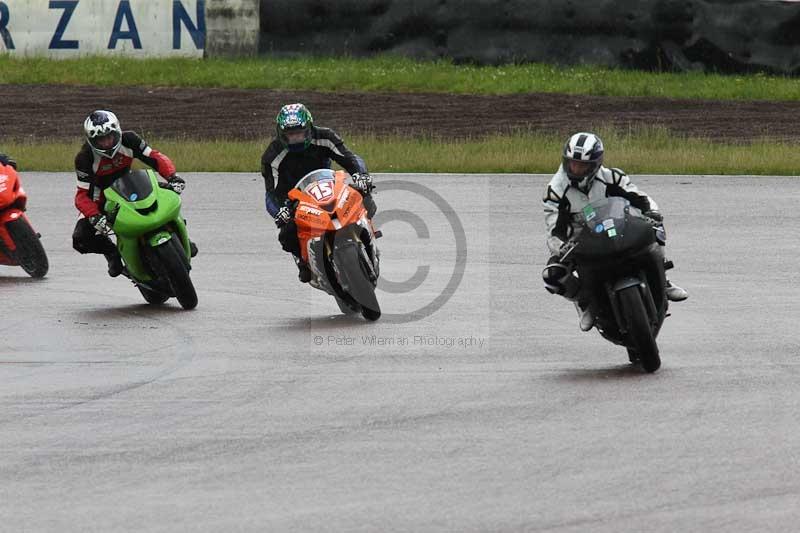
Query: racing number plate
[321, 190]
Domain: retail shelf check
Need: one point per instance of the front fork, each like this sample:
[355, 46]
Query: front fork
[320, 250]
[370, 249]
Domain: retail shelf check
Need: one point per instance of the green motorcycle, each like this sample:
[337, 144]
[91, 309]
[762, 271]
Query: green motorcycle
[151, 237]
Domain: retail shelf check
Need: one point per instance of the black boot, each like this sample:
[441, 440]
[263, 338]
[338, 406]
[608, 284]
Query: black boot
[192, 249]
[112, 256]
[304, 273]
[114, 263]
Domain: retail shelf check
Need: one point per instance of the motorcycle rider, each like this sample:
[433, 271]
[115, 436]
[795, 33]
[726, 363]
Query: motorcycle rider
[581, 179]
[301, 147]
[7, 161]
[107, 154]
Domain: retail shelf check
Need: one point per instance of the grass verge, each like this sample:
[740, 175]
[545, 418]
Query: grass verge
[647, 152]
[393, 74]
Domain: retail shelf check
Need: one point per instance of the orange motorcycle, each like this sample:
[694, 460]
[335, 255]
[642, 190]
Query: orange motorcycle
[337, 240]
[19, 242]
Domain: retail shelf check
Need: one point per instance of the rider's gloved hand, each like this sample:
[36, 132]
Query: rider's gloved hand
[7, 161]
[563, 250]
[100, 224]
[283, 216]
[176, 183]
[362, 182]
[655, 215]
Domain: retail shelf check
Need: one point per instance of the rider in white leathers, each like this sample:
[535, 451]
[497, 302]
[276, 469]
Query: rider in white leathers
[582, 179]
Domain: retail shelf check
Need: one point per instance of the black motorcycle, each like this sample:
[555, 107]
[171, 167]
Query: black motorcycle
[619, 258]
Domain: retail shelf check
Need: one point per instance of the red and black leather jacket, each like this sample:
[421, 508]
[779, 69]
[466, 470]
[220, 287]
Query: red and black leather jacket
[95, 172]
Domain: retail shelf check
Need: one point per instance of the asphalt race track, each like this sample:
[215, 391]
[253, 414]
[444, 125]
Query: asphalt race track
[475, 404]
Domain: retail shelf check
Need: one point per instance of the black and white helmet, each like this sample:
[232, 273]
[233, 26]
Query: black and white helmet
[586, 150]
[103, 133]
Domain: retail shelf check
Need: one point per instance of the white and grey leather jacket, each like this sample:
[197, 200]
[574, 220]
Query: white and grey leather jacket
[562, 200]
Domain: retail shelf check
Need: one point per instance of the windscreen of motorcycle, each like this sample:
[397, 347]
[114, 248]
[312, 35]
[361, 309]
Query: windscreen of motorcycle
[606, 215]
[611, 226]
[134, 185]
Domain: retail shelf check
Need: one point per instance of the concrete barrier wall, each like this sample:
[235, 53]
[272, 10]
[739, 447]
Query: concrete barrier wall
[232, 27]
[730, 35]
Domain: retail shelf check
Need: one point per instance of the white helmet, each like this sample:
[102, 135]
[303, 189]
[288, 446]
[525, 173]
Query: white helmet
[586, 149]
[103, 133]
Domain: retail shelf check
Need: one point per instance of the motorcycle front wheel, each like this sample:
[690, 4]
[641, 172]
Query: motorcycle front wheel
[30, 253]
[639, 332]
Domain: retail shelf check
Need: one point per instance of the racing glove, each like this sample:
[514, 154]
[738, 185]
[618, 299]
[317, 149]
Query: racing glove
[283, 216]
[362, 182]
[637, 200]
[655, 215]
[176, 183]
[100, 224]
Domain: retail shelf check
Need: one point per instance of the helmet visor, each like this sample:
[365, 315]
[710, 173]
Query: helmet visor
[105, 142]
[580, 169]
[295, 136]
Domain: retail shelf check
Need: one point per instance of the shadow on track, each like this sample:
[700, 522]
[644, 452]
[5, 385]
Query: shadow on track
[143, 310]
[321, 322]
[19, 280]
[579, 375]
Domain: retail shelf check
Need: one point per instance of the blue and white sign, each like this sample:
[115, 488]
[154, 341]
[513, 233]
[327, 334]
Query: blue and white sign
[71, 28]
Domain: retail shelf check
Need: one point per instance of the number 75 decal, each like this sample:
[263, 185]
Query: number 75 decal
[321, 190]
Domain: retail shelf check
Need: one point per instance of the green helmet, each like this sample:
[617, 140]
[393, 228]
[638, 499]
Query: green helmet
[292, 120]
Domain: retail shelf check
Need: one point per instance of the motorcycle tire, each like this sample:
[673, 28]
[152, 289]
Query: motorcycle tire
[153, 297]
[635, 315]
[348, 259]
[172, 257]
[347, 308]
[30, 253]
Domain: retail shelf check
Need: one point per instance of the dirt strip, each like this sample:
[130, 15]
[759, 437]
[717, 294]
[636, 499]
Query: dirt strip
[57, 112]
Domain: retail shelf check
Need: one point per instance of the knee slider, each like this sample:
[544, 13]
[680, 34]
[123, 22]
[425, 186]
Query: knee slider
[79, 246]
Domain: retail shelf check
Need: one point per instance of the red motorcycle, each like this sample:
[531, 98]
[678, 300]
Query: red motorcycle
[19, 242]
